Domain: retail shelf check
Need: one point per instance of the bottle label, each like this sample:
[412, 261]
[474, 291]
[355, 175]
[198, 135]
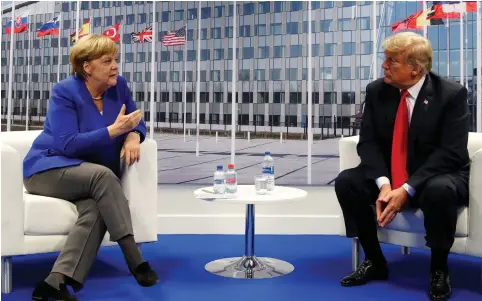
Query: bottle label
[219, 181]
[268, 170]
[231, 181]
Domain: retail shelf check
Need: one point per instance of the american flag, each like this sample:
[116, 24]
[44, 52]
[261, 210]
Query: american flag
[175, 38]
[142, 36]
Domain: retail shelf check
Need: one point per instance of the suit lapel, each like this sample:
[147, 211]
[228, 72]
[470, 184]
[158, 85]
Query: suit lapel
[425, 97]
[111, 107]
[390, 97]
[109, 113]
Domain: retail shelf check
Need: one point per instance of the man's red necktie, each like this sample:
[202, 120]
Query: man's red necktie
[399, 144]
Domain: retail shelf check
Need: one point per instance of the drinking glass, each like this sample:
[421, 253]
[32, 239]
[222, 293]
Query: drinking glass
[261, 184]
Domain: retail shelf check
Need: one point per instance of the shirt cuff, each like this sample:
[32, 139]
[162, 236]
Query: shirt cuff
[411, 191]
[382, 181]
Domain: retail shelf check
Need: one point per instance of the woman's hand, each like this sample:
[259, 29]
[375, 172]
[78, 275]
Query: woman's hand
[131, 149]
[124, 123]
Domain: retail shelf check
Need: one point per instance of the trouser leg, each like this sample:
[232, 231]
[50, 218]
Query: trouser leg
[82, 245]
[88, 180]
[439, 200]
[356, 196]
[103, 188]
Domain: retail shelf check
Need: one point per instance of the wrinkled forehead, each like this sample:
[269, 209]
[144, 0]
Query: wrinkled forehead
[399, 56]
[108, 56]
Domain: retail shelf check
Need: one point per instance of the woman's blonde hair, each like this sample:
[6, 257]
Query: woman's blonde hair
[88, 48]
[417, 49]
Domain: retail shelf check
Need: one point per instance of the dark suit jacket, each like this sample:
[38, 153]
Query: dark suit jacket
[438, 134]
[75, 131]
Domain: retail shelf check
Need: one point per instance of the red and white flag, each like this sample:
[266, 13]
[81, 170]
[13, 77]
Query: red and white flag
[452, 9]
[113, 33]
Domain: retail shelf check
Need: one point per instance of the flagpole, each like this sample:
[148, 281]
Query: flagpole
[153, 75]
[466, 52]
[122, 49]
[425, 21]
[10, 70]
[310, 94]
[134, 66]
[461, 43]
[28, 76]
[374, 39]
[77, 15]
[233, 88]
[198, 79]
[185, 83]
[447, 26]
[58, 61]
[479, 67]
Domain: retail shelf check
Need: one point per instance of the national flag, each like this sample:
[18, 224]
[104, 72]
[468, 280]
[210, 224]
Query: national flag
[83, 31]
[175, 38]
[20, 25]
[49, 28]
[417, 20]
[113, 33]
[142, 36]
[452, 9]
[430, 18]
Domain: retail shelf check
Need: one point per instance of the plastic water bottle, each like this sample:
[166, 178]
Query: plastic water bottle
[219, 185]
[231, 179]
[268, 170]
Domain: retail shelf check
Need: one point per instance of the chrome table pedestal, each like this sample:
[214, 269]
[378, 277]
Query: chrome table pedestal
[249, 266]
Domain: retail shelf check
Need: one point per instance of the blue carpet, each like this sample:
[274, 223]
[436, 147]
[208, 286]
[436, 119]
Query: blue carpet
[320, 262]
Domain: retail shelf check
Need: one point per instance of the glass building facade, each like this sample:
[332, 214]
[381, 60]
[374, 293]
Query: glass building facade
[272, 59]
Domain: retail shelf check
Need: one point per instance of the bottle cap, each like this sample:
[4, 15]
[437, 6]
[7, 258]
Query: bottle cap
[220, 167]
[231, 165]
[267, 153]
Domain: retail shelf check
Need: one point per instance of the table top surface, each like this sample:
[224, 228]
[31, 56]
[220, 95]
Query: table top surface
[246, 194]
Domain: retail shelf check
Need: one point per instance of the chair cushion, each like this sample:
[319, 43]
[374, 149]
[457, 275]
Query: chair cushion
[411, 220]
[48, 216]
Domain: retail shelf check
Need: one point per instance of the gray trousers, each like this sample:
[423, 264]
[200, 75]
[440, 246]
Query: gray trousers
[102, 206]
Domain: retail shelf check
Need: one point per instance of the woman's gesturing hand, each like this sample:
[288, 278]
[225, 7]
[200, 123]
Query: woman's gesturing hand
[124, 123]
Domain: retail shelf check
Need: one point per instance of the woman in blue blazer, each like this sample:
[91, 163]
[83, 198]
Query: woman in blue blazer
[92, 123]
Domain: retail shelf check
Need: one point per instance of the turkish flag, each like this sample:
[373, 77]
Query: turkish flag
[113, 33]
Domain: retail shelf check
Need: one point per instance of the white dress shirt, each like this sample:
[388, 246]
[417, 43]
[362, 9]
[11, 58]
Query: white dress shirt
[411, 98]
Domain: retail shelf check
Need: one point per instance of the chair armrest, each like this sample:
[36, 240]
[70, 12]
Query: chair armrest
[139, 182]
[474, 243]
[348, 154]
[11, 201]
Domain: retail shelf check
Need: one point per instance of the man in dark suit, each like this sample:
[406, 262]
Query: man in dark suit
[413, 150]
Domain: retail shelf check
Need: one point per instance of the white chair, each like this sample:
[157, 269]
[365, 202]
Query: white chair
[34, 224]
[407, 229]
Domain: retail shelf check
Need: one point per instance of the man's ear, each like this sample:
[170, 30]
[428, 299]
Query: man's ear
[417, 69]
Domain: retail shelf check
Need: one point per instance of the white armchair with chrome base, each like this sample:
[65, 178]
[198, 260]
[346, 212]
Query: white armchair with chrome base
[407, 228]
[33, 224]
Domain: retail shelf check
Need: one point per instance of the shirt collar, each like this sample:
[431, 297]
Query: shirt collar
[415, 89]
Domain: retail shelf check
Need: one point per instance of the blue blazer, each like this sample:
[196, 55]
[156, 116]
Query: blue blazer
[75, 131]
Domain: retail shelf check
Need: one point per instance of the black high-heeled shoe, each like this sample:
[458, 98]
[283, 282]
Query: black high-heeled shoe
[44, 292]
[144, 275]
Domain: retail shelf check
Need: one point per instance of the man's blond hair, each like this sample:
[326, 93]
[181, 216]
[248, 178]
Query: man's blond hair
[417, 49]
[88, 48]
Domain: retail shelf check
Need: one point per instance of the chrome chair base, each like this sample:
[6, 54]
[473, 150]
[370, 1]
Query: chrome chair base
[6, 275]
[249, 267]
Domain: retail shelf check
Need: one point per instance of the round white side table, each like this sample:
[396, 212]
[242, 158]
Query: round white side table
[249, 266]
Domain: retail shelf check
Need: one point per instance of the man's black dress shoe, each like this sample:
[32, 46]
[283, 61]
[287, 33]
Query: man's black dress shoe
[144, 275]
[440, 289]
[44, 292]
[367, 271]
